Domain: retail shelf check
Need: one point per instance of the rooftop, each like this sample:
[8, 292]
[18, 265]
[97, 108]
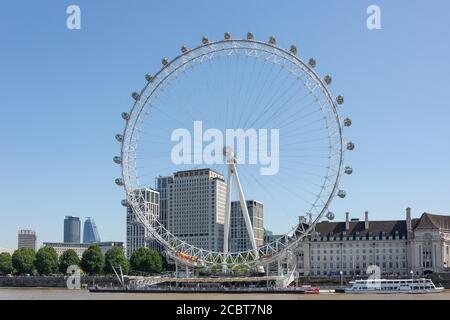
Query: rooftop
[357, 228]
[431, 221]
[195, 172]
[382, 227]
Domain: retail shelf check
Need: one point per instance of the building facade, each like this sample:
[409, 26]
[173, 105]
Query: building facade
[269, 237]
[137, 235]
[239, 238]
[26, 239]
[90, 232]
[396, 247]
[72, 229]
[80, 248]
[196, 208]
[10, 251]
[162, 186]
[429, 245]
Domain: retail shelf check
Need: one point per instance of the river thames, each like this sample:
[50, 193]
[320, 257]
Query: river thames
[65, 294]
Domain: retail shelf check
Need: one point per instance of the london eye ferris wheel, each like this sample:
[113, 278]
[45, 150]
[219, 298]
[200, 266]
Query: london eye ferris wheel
[279, 103]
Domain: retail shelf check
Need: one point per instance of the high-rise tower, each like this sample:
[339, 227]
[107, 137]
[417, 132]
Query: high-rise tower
[196, 208]
[72, 229]
[26, 239]
[90, 232]
[137, 235]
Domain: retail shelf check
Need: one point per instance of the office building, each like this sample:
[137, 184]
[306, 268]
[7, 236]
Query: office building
[398, 247]
[162, 186]
[80, 248]
[26, 239]
[239, 237]
[137, 235]
[90, 232]
[72, 229]
[196, 208]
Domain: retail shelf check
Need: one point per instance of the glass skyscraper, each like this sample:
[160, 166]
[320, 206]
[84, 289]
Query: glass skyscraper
[72, 229]
[90, 233]
[239, 238]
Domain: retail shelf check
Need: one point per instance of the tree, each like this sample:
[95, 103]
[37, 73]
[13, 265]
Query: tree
[23, 260]
[242, 269]
[146, 260]
[166, 265]
[46, 261]
[115, 257]
[93, 261]
[67, 259]
[216, 269]
[6, 266]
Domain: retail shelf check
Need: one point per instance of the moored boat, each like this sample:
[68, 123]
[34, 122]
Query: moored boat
[307, 289]
[418, 285]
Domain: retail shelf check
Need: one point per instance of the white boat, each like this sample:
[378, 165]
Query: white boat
[418, 285]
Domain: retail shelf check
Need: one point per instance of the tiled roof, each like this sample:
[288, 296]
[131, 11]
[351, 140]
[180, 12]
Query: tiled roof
[432, 221]
[376, 228]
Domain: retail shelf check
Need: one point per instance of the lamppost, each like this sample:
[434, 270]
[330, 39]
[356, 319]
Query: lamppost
[342, 278]
[412, 274]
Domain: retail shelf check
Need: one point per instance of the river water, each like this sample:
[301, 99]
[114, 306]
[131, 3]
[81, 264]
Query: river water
[65, 294]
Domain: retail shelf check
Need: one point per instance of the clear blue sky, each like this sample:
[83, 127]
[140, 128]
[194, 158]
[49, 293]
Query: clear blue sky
[62, 92]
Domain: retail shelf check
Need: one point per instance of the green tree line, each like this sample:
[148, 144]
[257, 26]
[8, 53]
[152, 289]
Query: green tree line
[93, 262]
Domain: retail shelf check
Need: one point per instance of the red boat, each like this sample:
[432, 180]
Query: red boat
[310, 290]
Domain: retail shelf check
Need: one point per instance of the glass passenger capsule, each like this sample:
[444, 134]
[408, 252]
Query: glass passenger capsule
[135, 96]
[125, 116]
[350, 146]
[149, 78]
[117, 159]
[272, 40]
[119, 137]
[293, 50]
[347, 122]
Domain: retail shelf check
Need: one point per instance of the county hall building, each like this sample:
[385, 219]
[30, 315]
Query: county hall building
[397, 247]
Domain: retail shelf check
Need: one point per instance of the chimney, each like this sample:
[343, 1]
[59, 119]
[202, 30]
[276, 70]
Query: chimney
[366, 220]
[347, 222]
[408, 219]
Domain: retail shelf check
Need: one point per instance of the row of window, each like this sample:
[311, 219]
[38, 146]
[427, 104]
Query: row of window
[344, 265]
[356, 245]
[357, 258]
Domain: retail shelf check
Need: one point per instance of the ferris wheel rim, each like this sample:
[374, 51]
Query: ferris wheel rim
[305, 68]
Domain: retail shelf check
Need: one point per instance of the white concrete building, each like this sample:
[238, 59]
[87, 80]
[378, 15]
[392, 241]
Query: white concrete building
[429, 243]
[396, 246]
[137, 235]
[80, 248]
[196, 208]
[239, 239]
[10, 251]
